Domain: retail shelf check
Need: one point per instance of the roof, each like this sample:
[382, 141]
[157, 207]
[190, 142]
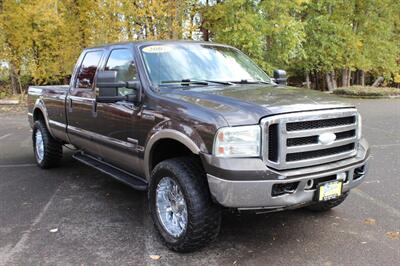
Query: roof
[152, 42]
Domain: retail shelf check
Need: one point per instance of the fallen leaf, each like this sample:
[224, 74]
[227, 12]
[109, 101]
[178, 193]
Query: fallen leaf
[54, 230]
[393, 235]
[370, 221]
[234, 262]
[155, 257]
[363, 243]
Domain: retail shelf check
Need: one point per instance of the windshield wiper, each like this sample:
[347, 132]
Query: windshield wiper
[245, 81]
[187, 82]
[220, 82]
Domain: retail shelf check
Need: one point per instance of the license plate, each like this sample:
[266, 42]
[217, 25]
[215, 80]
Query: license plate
[330, 190]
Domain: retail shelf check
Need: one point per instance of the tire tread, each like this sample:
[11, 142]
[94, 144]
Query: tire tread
[204, 223]
[52, 148]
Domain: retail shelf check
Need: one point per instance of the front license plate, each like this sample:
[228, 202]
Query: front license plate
[330, 190]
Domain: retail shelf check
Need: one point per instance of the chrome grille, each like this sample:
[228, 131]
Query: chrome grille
[292, 140]
[332, 122]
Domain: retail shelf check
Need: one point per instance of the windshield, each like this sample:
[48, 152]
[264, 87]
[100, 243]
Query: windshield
[168, 64]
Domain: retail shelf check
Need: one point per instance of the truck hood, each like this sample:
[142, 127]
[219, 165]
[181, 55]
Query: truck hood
[247, 104]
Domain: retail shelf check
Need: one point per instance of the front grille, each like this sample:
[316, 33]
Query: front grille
[318, 153]
[320, 123]
[302, 141]
[314, 139]
[295, 141]
[273, 138]
[346, 134]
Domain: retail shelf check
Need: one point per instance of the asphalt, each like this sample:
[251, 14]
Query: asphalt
[100, 221]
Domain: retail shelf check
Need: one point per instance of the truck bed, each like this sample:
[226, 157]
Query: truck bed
[51, 101]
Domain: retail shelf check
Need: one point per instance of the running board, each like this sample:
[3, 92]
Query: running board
[122, 176]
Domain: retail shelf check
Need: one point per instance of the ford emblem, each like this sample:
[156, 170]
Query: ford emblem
[326, 138]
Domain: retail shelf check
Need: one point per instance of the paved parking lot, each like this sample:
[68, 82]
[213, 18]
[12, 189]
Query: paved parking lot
[74, 215]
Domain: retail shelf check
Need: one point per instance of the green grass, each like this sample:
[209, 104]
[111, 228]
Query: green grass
[367, 92]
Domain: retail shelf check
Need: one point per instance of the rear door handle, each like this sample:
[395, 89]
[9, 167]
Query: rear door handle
[133, 141]
[94, 109]
[70, 105]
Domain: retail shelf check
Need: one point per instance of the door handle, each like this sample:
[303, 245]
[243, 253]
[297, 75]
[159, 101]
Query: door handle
[70, 105]
[94, 109]
[133, 141]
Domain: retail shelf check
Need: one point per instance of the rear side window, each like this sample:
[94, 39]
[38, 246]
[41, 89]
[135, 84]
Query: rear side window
[121, 60]
[88, 69]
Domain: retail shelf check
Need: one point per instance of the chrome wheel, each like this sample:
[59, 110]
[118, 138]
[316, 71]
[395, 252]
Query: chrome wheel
[39, 145]
[171, 207]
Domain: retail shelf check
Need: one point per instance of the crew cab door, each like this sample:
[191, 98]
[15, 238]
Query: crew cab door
[81, 103]
[117, 121]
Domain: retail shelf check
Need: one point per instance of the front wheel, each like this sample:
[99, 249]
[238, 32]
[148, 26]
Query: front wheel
[180, 205]
[47, 150]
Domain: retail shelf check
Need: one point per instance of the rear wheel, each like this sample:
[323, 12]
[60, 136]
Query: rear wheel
[324, 206]
[180, 205]
[47, 150]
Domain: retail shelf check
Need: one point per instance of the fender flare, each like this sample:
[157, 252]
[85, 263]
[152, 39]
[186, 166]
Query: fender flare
[167, 134]
[39, 105]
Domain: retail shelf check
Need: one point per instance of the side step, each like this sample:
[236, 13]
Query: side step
[122, 176]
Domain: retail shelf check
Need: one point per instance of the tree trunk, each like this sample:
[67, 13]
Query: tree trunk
[362, 78]
[349, 78]
[204, 31]
[345, 77]
[128, 28]
[308, 85]
[355, 78]
[316, 79]
[14, 79]
[334, 81]
[329, 84]
[206, 34]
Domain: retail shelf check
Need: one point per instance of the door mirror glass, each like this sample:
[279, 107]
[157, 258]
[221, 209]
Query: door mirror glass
[280, 77]
[109, 89]
[107, 84]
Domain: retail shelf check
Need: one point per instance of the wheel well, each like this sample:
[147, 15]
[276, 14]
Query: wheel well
[167, 149]
[38, 115]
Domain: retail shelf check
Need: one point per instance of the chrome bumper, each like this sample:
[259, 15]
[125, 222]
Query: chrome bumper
[257, 194]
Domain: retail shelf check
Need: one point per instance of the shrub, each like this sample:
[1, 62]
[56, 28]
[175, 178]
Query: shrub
[372, 92]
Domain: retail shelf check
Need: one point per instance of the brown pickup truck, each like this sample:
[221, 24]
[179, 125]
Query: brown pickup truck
[201, 128]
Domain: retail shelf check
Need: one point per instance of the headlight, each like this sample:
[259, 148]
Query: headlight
[359, 126]
[243, 141]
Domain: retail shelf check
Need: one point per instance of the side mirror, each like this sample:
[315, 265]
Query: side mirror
[107, 88]
[280, 77]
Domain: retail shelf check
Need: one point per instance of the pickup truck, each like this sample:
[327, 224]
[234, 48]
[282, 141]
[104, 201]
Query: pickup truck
[202, 129]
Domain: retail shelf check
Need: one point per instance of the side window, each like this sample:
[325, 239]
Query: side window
[88, 69]
[122, 61]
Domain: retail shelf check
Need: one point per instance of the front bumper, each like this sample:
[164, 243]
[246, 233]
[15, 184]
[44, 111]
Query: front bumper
[254, 189]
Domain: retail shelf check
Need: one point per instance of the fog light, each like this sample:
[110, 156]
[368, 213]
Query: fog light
[284, 188]
[359, 172]
[309, 184]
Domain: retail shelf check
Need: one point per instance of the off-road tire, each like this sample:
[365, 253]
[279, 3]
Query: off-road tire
[204, 217]
[327, 205]
[52, 148]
